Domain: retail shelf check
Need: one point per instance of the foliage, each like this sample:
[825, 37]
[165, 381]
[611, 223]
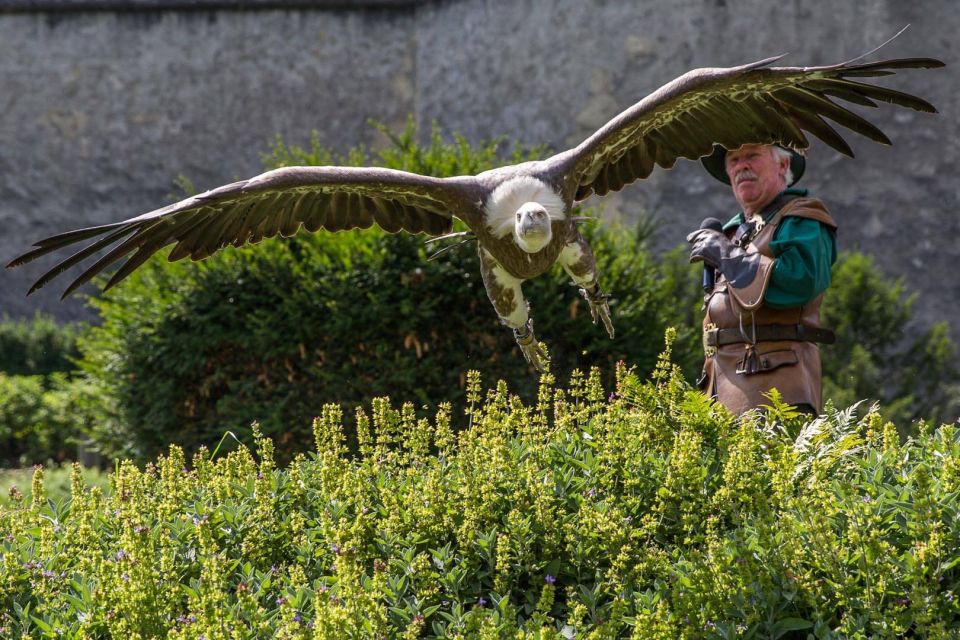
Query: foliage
[16, 485]
[648, 513]
[42, 418]
[879, 354]
[272, 333]
[37, 346]
[39, 419]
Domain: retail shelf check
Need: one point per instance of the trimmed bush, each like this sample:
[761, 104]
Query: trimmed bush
[40, 419]
[647, 513]
[37, 346]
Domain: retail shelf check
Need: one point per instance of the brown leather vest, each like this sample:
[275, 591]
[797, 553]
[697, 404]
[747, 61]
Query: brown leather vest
[790, 366]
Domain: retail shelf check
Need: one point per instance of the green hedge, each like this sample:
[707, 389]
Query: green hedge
[37, 346]
[647, 513]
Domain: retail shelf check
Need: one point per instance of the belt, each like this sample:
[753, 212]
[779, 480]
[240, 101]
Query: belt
[768, 333]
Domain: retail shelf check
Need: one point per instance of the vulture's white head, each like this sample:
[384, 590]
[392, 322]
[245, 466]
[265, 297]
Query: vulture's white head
[524, 206]
[531, 228]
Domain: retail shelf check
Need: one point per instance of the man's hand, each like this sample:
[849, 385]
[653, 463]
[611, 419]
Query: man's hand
[710, 246]
[738, 266]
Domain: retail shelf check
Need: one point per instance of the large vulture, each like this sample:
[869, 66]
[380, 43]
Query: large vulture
[520, 214]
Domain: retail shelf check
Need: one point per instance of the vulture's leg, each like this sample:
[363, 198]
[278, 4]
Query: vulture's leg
[577, 260]
[506, 295]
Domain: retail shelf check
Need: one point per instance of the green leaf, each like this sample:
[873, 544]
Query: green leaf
[43, 625]
[782, 627]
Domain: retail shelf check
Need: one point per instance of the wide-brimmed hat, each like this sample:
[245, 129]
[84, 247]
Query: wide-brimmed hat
[714, 164]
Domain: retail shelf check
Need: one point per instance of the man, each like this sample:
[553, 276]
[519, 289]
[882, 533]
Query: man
[772, 264]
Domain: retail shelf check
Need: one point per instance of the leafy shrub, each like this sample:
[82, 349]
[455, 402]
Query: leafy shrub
[43, 418]
[648, 513]
[880, 354]
[20, 411]
[37, 346]
[272, 333]
[38, 418]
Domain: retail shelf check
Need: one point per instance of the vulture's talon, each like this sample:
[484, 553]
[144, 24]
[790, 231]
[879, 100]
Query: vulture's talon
[599, 307]
[534, 351]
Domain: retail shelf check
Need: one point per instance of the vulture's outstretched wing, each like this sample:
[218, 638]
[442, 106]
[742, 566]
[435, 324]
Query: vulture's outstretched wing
[276, 202]
[753, 103]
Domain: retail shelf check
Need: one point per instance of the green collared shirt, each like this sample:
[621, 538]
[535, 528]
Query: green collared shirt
[804, 251]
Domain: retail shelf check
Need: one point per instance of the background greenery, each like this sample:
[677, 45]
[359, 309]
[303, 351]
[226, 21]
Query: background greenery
[185, 352]
[37, 346]
[881, 354]
[43, 404]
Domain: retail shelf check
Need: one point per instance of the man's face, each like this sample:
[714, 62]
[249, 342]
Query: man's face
[756, 175]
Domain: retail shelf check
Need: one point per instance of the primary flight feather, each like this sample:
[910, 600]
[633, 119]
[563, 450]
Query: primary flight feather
[520, 214]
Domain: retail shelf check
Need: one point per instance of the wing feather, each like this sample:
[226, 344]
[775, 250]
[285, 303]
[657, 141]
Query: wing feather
[838, 89]
[134, 261]
[62, 240]
[414, 219]
[753, 103]
[236, 229]
[312, 208]
[77, 257]
[337, 214]
[891, 96]
[815, 125]
[385, 216]
[118, 252]
[290, 223]
[792, 133]
[820, 105]
[320, 209]
[362, 217]
[278, 202]
[187, 226]
[196, 243]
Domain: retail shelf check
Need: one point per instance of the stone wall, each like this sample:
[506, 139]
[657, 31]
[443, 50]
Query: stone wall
[106, 102]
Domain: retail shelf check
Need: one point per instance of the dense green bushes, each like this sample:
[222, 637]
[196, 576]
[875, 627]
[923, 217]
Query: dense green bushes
[647, 513]
[28, 420]
[37, 346]
[41, 411]
[880, 354]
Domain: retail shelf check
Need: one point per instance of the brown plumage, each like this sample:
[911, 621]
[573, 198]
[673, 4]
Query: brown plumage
[753, 103]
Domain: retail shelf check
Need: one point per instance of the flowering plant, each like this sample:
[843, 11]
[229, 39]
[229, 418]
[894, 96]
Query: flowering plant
[647, 511]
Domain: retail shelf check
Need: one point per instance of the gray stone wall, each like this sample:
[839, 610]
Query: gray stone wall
[102, 108]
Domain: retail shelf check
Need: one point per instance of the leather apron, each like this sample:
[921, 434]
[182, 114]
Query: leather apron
[739, 374]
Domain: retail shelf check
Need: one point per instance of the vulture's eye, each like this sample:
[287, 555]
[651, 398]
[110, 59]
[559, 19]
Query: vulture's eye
[518, 216]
